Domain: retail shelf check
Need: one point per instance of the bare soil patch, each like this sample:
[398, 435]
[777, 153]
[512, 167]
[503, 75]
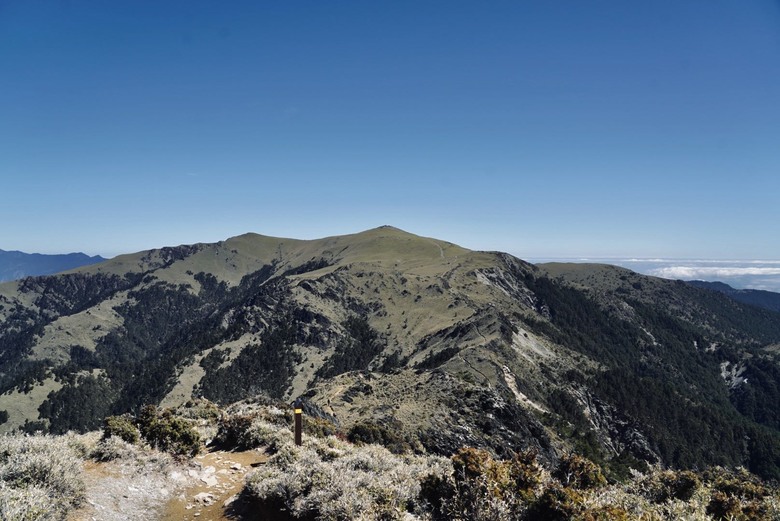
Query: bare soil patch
[121, 490]
[216, 480]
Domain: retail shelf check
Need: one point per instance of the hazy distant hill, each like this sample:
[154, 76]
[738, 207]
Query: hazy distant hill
[756, 297]
[16, 264]
[419, 341]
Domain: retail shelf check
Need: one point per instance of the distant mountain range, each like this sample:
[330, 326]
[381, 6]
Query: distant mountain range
[418, 341]
[17, 265]
[755, 297]
[737, 273]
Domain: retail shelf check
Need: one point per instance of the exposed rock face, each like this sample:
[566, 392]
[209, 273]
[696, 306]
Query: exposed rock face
[446, 346]
[732, 374]
[616, 432]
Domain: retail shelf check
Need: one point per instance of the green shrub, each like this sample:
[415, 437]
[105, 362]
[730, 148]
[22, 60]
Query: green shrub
[232, 431]
[168, 432]
[557, 503]
[740, 484]
[122, 427]
[685, 485]
[605, 513]
[319, 427]
[471, 463]
[329, 479]
[199, 409]
[737, 495]
[526, 473]
[671, 484]
[485, 488]
[579, 472]
[372, 432]
[723, 506]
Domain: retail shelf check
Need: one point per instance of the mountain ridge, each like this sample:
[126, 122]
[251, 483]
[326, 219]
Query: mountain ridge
[755, 297]
[16, 264]
[437, 344]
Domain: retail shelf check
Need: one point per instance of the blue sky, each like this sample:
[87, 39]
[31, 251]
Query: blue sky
[546, 129]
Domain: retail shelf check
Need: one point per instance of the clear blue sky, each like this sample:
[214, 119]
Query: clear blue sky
[546, 129]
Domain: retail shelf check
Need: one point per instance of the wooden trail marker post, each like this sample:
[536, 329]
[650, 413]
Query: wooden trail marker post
[298, 422]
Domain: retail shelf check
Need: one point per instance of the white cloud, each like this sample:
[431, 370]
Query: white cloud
[703, 261]
[741, 274]
[713, 273]
[766, 284]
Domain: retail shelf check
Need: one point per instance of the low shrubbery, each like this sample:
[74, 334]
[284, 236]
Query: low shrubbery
[167, 432]
[163, 430]
[740, 495]
[40, 477]
[578, 472]
[247, 425]
[330, 479]
[663, 486]
[372, 432]
[123, 427]
[481, 487]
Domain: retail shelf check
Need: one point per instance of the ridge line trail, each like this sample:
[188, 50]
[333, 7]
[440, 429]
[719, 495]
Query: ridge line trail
[441, 250]
[469, 364]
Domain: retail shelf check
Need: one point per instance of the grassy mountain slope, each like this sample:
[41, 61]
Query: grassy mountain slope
[418, 340]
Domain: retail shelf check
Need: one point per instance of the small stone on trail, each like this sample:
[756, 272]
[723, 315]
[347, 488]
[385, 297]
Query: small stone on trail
[205, 498]
[210, 480]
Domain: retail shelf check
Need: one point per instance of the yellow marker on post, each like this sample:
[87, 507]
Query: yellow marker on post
[298, 422]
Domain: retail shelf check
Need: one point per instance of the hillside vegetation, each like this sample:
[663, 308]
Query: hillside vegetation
[329, 477]
[416, 342]
[755, 297]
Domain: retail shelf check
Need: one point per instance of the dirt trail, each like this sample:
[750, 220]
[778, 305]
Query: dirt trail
[217, 479]
[123, 490]
[207, 488]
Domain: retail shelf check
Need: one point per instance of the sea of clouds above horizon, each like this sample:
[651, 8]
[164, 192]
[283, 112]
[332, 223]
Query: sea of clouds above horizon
[739, 274]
